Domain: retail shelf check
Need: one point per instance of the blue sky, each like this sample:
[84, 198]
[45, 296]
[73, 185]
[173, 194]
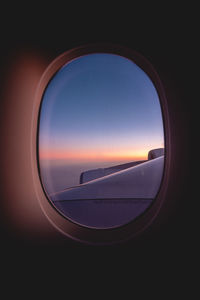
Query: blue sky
[100, 107]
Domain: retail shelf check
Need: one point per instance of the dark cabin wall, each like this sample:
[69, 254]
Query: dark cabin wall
[168, 44]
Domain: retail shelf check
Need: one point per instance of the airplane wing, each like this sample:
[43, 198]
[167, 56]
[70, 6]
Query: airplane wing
[113, 199]
[101, 172]
[140, 181]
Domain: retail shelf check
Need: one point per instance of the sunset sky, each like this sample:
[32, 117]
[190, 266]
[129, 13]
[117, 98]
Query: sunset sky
[99, 107]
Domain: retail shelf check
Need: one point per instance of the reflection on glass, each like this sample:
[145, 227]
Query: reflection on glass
[101, 141]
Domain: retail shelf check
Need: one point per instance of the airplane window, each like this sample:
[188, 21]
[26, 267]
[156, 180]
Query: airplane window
[101, 141]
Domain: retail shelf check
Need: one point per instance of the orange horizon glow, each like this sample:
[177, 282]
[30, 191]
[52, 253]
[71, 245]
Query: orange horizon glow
[140, 154]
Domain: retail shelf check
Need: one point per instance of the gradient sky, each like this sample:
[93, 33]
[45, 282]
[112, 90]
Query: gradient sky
[100, 107]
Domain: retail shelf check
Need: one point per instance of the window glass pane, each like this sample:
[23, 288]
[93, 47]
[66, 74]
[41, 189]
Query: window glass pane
[101, 141]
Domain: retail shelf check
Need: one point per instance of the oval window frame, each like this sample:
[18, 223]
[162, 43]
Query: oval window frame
[59, 221]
